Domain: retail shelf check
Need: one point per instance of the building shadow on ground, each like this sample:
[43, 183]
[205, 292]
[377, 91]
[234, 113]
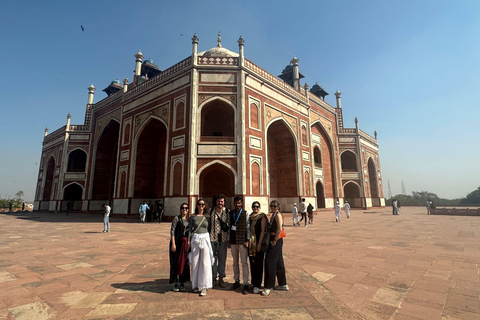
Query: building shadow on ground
[157, 286]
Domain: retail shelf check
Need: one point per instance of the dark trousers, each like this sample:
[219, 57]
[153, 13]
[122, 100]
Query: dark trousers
[304, 216]
[256, 268]
[274, 266]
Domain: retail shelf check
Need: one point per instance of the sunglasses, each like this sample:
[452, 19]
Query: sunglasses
[273, 206]
[255, 207]
[201, 204]
[184, 208]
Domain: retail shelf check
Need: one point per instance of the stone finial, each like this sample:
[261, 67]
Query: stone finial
[69, 116]
[294, 61]
[375, 134]
[338, 94]
[194, 38]
[219, 40]
[305, 86]
[139, 55]
[240, 41]
[125, 81]
[356, 120]
[91, 89]
[46, 131]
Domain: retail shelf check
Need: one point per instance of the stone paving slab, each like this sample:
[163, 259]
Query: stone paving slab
[371, 266]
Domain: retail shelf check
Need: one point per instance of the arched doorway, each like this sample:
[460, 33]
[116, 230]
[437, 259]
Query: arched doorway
[352, 195]
[217, 179]
[47, 188]
[320, 195]
[372, 177]
[106, 162]
[327, 161]
[73, 192]
[150, 161]
[282, 161]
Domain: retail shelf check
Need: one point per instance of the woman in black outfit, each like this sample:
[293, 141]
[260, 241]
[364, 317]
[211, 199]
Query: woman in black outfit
[179, 268]
[274, 258]
[258, 224]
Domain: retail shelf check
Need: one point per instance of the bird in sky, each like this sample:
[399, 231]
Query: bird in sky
[83, 29]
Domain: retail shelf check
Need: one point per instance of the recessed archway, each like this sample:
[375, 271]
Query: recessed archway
[150, 161]
[349, 161]
[372, 177]
[351, 191]
[47, 188]
[320, 195]
[106, 162]
[282, 161]
[217, 121]
[77, 160]
[327, 161]
[216, 179]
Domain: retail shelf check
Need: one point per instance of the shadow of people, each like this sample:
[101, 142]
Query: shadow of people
[158, 286]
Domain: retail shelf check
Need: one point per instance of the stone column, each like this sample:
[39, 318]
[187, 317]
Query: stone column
[241, 56]
[125, 85]
[46, 131]
[69, 116]
[138, 63]
[194, 49]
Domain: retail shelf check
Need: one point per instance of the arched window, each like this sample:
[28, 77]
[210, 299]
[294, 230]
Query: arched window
[218, 122]
[77, 160]
[317, 157]
[177, 179]
[255, 176]
[349, 161]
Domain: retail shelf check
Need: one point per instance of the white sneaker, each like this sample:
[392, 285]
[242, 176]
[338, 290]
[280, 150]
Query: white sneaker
[203, 293]
[256, 290]
[283, 288]
[265, 292]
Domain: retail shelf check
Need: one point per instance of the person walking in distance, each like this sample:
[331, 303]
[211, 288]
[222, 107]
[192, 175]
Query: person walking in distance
[219, 238]
[338, 210]
[106, 217]
[239, 236]
[346, 207]
[143, 211]
[295, 215]
[303, 211]
[310, 213]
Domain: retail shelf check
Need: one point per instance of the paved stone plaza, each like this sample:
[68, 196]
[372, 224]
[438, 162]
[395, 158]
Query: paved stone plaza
[371, 266]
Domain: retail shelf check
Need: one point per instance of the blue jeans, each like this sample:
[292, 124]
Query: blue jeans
[106, 223]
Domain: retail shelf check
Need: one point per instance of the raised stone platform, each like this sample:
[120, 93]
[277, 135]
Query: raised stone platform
[371, 266]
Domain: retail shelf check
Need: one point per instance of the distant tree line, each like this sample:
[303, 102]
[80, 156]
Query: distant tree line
[16, 202]
[419, 198]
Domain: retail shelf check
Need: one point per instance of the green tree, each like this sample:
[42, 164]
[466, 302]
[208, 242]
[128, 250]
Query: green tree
[472, 198]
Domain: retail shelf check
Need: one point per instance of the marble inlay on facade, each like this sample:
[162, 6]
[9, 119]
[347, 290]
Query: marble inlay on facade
[218, 61]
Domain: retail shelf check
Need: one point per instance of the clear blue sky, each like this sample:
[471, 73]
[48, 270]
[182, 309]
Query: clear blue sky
[408, 69]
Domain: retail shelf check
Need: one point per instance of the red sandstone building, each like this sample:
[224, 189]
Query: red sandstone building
[214, 122]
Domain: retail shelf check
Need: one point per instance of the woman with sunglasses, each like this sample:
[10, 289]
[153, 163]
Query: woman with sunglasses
[274, 265]
[179, 270]
[201, 256]
[258, 225]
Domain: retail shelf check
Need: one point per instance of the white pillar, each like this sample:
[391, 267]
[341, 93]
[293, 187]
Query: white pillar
[46, 131]
[339, 100]
[138, 63]
[69, 116]
[91, 93]
[241, 44]
[194, 49]
[125, 85]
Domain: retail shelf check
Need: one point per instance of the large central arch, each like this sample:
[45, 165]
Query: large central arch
[327, 162]
[150, 161]
[106, 162]
[282, 161]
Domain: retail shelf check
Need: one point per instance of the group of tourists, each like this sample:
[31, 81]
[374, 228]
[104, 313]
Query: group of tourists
[200, 241]
[304, 209]
[338, 210]
[151, 212]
